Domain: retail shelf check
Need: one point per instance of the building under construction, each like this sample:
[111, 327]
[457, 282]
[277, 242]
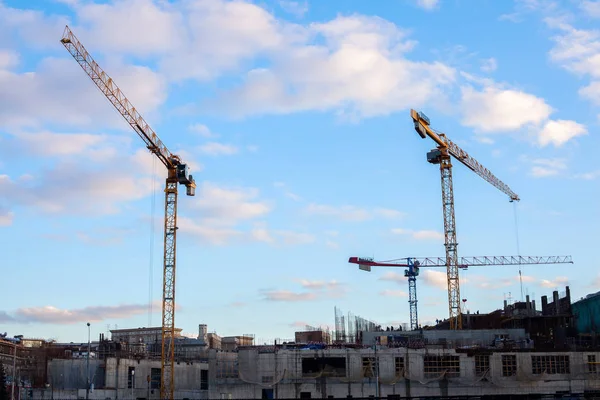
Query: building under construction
[516, 350]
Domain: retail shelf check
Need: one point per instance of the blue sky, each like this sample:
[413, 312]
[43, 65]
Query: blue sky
[294, 116]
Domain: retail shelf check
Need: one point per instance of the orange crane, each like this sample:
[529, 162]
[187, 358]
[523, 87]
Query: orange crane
[177, 173]
[442, 155]
[414, 263]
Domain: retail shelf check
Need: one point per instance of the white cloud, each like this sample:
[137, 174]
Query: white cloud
[293, 196]
[288, 296]
[75, 189]
[437, 279]
[591, 8]
[202, 130]
[6, 217]
[297, 8]
[215, 215]
[262, 235]
[591, 92]
[393, 293]
[8, 59]
[216, 235]
[489, 65]
[351, 213]
[55, 315]
[227, 206]
[318, 285]
[545, 167]
[499, 110]
[359, 71]
[216, 149]
[428, 4]
[559, 132]
[419, 234]
[60, 92]
[588, 176]
[314, 290]
[392, 276]
[559, 281]
[138, 27]
[52, 144]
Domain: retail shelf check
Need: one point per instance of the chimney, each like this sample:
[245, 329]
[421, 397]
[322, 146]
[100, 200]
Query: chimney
[544, 305]
[527, 304]
[505, 305]
[533, 307]
[556, 300]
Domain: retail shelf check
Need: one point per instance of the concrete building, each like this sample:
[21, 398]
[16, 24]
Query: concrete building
[231, 343]
[214, 341]
[117, 378]
[140, 335]
[394, 372]
[318, 336]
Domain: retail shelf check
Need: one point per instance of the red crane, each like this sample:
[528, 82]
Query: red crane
[414, 263]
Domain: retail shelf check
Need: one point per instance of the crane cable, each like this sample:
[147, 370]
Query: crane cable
[151, 250]
[518, 247]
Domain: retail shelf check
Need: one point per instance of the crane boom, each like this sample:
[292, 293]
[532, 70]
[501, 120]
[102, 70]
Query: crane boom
[117, 98]
[464, 262]
[414, 263]
[423, 129]
[442, 155]
[177, 174]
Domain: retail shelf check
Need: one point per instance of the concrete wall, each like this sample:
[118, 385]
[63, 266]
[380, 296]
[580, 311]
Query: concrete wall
[110, 378]
[254, 366]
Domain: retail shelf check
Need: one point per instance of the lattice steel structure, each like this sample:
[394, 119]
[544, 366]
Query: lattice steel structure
[177, 174]
[414, 263]
[442, 156]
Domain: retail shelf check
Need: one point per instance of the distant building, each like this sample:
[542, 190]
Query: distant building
[231, 343]
[213, 340]
[140, 335]
[318, 336]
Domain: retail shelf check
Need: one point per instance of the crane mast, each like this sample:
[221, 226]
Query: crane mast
[177, 174]
[414, 263]
[442, 155]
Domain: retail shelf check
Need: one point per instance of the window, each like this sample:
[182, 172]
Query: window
[509, 365]
[434, 366]
[203, 379]
[155, 378]
[550, 365]
[399, 366]
[368, 367]
[482, 364]
[131, 378]
[324, 366]
[592, 366]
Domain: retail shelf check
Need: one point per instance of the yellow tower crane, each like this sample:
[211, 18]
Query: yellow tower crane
[177, 174]
[442, 156]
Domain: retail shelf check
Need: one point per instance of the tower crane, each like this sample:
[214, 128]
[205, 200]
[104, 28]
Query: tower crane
[414, 263]
[177, 173]
[442, 156]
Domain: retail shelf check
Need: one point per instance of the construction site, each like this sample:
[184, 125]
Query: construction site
[516, 351]
[522, 349]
